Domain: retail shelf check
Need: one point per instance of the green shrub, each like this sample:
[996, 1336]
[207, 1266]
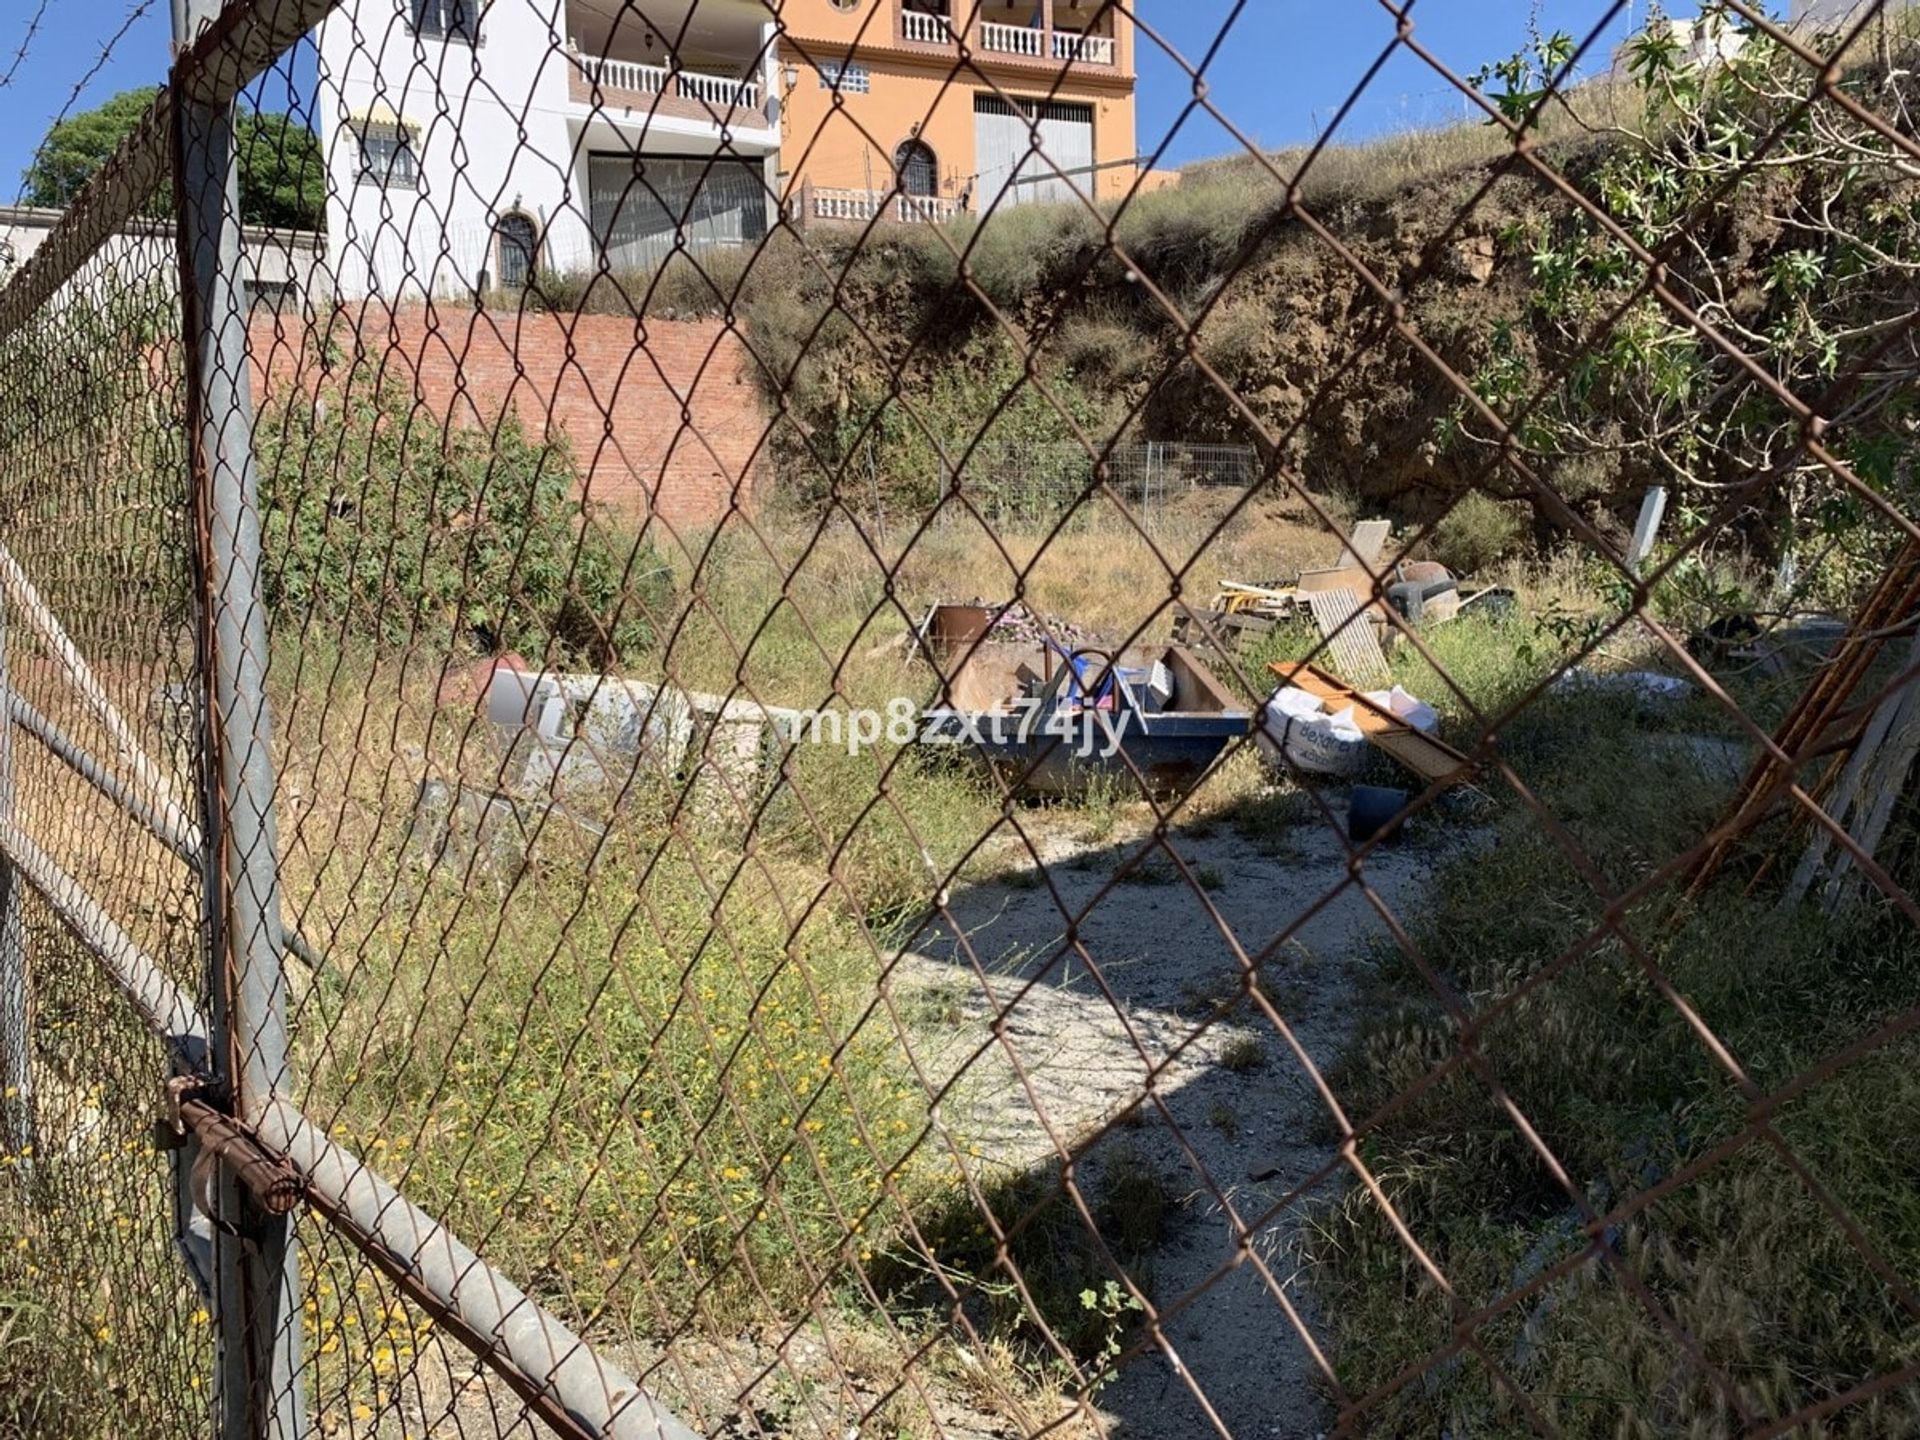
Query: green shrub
[382, 521]
[1477, 532]
[1103, 345]
[978, 410]
[1018, 252]
[687, 285]
[1192, 233]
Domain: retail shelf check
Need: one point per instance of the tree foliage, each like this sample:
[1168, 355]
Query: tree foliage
[282, 179]
[1788, 228]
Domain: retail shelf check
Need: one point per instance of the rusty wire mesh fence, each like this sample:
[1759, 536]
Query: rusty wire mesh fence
[603, 834]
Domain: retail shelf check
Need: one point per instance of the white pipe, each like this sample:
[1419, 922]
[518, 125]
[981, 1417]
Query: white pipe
[601, 1398]
[527, 1341]
[161, 1004]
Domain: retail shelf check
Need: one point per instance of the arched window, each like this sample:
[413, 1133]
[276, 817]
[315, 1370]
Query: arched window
[518, 243]
[918, 168]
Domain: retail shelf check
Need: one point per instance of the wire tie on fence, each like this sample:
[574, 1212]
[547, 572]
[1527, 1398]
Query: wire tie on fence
[191, 1108]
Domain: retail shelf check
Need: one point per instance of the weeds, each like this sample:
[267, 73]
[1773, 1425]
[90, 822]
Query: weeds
[1609, 1073]
[1134, 1200]
[1243, 1054]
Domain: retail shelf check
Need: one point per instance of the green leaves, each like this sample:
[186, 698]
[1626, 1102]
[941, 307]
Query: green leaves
[283, 181]
[79, 145]
[444, 533]
[1527, 77]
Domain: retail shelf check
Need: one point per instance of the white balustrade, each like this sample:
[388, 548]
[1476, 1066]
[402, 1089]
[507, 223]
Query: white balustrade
[1092, 49]
[861, 206]
[1012, 40]
[720, 91]
[925, 29]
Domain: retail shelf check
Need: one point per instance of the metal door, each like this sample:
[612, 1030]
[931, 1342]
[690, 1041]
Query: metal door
[638, 203]
[1011, 171]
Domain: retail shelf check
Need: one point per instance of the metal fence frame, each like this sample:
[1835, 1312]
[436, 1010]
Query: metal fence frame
[232, 1104]
[243, 1256]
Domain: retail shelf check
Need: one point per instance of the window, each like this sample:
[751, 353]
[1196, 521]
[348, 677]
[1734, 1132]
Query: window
[847, 77]
[447, 19]
[917, 168]
[386, 158]
[517, 244]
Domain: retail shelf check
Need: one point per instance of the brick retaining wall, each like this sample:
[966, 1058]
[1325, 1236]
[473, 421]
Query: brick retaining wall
[663, 416]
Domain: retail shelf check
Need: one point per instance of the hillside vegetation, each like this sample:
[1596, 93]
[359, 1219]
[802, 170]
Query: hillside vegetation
[1788, 228]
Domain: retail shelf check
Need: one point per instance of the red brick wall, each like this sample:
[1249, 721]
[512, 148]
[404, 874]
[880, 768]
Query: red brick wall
[663, 416]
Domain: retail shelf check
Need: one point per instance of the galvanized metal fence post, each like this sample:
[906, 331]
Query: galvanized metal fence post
[16, 1065]
[257, 1388]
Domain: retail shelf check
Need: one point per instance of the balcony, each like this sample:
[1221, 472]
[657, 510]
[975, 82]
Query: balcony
[923, 28]
[1083, 49]
[863, 206]
[666, 90]
[1021, 40]
[1014, 36]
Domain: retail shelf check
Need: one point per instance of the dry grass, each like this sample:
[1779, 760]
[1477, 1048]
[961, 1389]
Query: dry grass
[733, 1104]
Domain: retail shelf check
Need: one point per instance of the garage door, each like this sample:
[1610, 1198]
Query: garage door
[639, 203]
[1010, 172]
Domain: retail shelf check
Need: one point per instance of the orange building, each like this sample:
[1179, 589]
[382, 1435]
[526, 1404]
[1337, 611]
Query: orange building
[927, 108]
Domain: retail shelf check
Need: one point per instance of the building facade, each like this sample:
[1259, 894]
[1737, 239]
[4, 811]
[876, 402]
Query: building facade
[472, 142]
[281, 268]
[928, 108]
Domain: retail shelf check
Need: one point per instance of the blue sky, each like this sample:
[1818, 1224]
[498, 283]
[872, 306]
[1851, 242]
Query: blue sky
[1281, 75]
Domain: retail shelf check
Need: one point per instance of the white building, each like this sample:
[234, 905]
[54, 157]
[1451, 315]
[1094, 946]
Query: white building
[282, 268]
[1829, 12]
[470, 140]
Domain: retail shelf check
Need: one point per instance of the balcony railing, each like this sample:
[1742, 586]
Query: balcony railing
[1012, 40]
[864, 205]
[1030, 43]
[925, 29]
[719, 91]
[1089, 49]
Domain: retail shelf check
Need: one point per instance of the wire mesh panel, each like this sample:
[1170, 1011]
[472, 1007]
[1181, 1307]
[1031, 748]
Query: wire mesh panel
[101, 1319]
[784, 608]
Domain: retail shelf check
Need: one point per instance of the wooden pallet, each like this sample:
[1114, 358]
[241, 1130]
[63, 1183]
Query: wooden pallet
[1367, 543]
[1231, 628]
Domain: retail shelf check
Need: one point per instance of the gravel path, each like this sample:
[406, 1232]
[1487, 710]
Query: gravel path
[1166, 964]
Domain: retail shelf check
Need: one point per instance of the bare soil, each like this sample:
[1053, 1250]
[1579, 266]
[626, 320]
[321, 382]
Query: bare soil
[1130, 1039]
[1120, 1040]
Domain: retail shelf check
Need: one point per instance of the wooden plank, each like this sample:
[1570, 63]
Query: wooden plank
[1338, 577]
[1425, 755]
[1283, 596]
[1354, 648]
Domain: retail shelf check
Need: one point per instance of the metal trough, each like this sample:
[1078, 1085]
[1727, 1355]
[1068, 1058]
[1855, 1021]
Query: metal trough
[1052, 721]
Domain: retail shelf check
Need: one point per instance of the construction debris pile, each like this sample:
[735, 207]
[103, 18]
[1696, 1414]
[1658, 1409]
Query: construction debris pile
[1050, 707]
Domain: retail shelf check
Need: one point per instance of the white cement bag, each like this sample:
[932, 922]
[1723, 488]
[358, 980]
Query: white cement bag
[1297, 732]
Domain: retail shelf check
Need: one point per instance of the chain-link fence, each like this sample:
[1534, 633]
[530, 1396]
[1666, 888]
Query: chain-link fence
[1038, 484]
[603, 834]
